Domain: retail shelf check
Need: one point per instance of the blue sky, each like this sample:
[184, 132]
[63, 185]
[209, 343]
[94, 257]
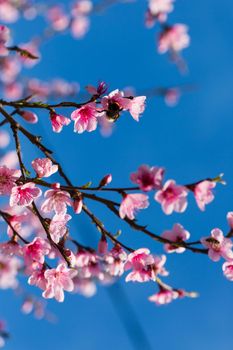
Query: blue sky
[192, 141]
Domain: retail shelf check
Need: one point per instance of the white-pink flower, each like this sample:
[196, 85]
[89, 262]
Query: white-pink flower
[58, 280]
[230, 219]
[227, 268]
[113, 104]
[160, 8]
[85, 118]
[38, 279]
[44, 167]
[36, 251]
[174, 38]
[164, 296]
[178, 234]
[24, 195]
[137, 106]
[58, 121]
[218, 246]
[141, 262]
[9, 267]
[4, 37]
[131, 203]
[57, 227]
[172, 197]
[203, 193]
[148, 178]
[8, 177]
[56, 200]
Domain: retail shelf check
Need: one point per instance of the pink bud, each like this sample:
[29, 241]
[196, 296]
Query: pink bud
[78, 205]
[103, 246]
[29, 117]
[105, 180]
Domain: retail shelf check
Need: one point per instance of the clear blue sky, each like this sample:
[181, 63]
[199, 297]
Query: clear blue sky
[192, 140]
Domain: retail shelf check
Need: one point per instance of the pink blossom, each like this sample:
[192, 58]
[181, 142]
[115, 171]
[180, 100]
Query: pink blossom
[85, 118]
[32, 48]
[56, 200]
[174, 38]
[24, 195]
[113, 104]
[58, 19]
[172, 96]
[164, 296]
[140, 261]
[4, 139]
[178, 234]
[107, 179]
[36, 251]
[160, 8]
[218, 246]
[137, 106]
[158, 266]
[102, 245]
[230, 219]
[57, 227]
[99, 90]
[58, 121]
[80, 26]
[203, 193]
[38, 279]
[8, 12]
[10, 159]
[9, 267]
[8, 177]
[131, 203]
[29, 116]
[84, 286]
[89, 265]
[13, 90]
[44, 167]
[58, 280]
[81, 7]
[4, 37]
[115, 261]
[148, 178]
[227, 268]
[172, 197]
[78, 205]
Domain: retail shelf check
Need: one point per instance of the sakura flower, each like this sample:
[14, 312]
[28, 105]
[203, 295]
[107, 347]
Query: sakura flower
[141, 262]
[44, 167]
[85, 118]
[164, 296]
[57, 227]
[84, 286]
[36, 251]
[174, 38]
[38, 279]
[158, 266]
[178, 234]
[58, 19]
[115, 261]
[113, 104]
[131, 203]
[100, 90]
[230, 219]
[58, 121]
[8, 177]
[79, 26]
[227, 268]
[203, 193]
[24, 195]
[137, 106]
[172, 197]
[56, 200]
[218, 246]
[148, 178]
[58, 280]
[9, 267]
[89, 265]
[172, 96]
[4, 37]
[160, 8]
[4, 139]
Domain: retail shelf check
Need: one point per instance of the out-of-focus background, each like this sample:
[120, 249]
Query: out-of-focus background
[192, 141]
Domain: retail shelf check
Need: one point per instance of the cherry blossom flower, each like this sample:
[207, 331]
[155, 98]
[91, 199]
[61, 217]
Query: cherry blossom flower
[8, 177]
[8, 12]
[9, 267]
[113, 104]
[172, 197]
[148, 178]
[84, 286]
[158, 266]
[230, 219]
[56, 200]
[203, 193]
[131, 203]
[85, 118]
[59, 21]
[29, 116]
[218, 246]
[89, 265]
[160, 8]
[141, 262]
[38, 279]
[100, 90]
[164, 296]
[57, 227]
[44, 167]
[36, 251]
[79, 26]
[13, 90]
[137, 106]
[24, 195]
[58, 121]
[172, 96]
[4, 37]
[4, 139]
[58, 280]
[115, 261]
[174, 38]
[177, 234]
[227, 268]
